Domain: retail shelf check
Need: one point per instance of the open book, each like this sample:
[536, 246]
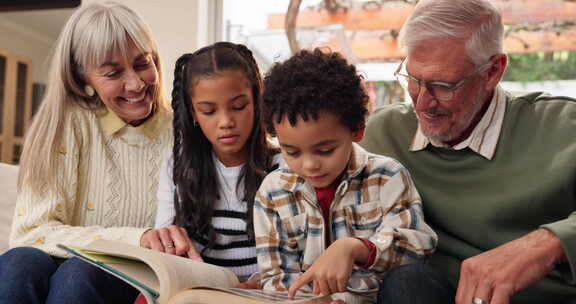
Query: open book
[168, 279]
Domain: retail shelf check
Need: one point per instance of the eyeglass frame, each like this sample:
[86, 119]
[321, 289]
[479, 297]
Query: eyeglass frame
[452, 87]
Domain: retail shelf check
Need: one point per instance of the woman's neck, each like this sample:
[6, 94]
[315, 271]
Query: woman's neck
[136, 123]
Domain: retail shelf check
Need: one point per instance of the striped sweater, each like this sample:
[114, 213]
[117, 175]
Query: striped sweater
[232, 247]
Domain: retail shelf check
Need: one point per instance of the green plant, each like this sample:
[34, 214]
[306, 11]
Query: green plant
[541, 66]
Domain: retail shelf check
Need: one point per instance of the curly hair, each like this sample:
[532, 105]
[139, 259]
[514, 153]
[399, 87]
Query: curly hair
[311, 82]
[194, 174]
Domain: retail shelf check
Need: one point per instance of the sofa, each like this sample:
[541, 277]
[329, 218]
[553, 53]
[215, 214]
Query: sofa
[8, 181]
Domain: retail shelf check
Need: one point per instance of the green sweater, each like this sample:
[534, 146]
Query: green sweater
[475, 204]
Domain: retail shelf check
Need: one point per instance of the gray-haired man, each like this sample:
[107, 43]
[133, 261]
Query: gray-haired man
[497, 171]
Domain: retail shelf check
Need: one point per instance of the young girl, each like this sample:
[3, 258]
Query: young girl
[219, 158]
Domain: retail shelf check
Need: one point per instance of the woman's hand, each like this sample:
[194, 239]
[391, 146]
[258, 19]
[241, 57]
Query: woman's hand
[172, 240]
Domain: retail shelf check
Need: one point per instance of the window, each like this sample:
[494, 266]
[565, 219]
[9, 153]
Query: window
[540, 39]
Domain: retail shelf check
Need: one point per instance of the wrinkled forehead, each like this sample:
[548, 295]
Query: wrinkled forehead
[446, 57]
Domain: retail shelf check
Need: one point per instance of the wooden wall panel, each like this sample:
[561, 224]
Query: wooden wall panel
[8, 139]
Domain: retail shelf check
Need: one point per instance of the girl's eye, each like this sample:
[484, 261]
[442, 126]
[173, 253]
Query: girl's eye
[292, 153]
[208, 112]
[240, 107]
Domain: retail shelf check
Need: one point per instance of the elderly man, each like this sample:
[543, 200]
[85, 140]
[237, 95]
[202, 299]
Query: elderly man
[497, 171]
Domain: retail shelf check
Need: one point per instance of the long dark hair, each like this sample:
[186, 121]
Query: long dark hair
[194, 173]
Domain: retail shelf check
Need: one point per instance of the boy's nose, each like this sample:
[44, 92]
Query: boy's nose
[311, 164]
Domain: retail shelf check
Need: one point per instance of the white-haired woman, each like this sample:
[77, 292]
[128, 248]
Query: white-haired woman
[90, 162]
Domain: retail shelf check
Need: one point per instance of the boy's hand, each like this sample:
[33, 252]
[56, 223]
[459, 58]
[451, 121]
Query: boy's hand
[171, 240]
[331, 271]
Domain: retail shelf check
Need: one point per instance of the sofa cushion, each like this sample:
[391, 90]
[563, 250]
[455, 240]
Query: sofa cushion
[8, 180]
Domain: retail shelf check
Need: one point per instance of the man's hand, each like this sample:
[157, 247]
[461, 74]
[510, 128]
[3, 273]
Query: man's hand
[331, 271]
[171, 240]
[495, 275]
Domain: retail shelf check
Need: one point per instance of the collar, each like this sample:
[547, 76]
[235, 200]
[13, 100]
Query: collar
[111, 123]
[483, 139]
[291, 182]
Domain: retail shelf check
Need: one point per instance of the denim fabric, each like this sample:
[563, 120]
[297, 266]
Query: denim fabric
[415, 284]
[29, 275]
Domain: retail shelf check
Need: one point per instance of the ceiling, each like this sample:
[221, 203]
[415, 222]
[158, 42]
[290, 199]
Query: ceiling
[47, 23]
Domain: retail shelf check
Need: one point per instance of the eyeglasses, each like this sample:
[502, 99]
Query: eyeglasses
[441, 91]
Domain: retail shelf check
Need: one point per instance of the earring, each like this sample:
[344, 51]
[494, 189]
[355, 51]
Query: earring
[89, 90]
[195, 123]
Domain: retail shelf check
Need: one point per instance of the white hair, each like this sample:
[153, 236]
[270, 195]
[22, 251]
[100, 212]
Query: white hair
[91, 35]
[477, 22]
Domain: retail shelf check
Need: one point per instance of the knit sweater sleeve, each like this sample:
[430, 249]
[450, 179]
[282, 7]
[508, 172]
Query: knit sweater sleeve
[565, 230]
[43, 220]
[165, 213]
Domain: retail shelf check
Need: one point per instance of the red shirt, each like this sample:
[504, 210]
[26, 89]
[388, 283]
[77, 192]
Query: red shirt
[325, 198]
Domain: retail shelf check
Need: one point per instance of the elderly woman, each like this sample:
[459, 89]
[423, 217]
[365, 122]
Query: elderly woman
[91, 158]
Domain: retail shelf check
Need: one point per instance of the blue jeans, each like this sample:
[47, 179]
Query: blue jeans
[416, 284]
[29, 275]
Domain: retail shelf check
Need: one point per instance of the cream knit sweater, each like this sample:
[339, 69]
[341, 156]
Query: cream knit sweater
[109, 171]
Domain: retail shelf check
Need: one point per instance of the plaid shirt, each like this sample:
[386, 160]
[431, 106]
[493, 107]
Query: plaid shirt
[376, 199]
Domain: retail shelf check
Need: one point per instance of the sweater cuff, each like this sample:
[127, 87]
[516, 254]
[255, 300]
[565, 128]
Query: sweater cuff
[371, 255]
[565, 230]
[133, 235]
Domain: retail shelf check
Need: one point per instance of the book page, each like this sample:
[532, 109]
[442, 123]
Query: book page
[144, 273]
[204, 295]
[186, 273]
[173, 273]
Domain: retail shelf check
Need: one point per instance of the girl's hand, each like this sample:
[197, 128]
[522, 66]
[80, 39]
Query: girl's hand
[331, 271]
[249, 285]
[171, 240]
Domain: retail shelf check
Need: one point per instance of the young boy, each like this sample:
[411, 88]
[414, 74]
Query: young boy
[339, 217]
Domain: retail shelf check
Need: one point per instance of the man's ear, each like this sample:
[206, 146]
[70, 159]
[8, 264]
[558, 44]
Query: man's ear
[496, 71]
[358, 134]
